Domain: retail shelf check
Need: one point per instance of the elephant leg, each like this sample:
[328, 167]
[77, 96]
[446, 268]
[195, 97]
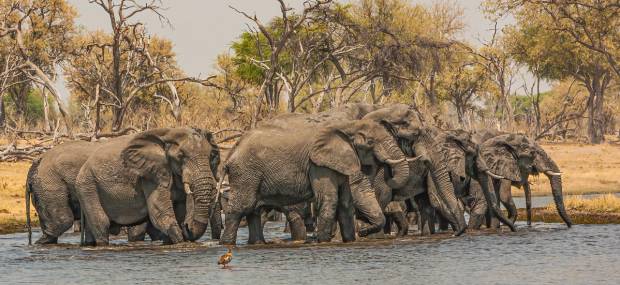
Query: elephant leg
[402, 223]
[137, 232]
[97, 220]
[296, 225]
[89, 238]
[161, 213]
[365, 202]
[255, 228]
[426, 223]
[231, 225]
[154, 233]
[507, 200]
[387, 228]
[215, 221]
[325, 189]
[55, 214]
[478, 206]
[346, 214]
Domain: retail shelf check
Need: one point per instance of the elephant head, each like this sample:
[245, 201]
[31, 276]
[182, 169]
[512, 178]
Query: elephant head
[462, 154]
[405, 124]
[371, 142]
[515, 157]
[189, 155]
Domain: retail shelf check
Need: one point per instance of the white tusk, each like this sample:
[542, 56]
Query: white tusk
[414, 158]
[186, 188]
[551, 173]
[395, 161]
[494, 175]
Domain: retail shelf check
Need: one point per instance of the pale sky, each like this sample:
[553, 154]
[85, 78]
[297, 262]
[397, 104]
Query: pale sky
[202, 29]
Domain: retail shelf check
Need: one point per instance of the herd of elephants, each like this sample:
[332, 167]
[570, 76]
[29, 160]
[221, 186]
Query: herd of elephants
[354, 170]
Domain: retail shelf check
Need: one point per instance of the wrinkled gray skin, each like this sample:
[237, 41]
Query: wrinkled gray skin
[140, 177]
[470, 177]
[515, 157]
[293, 158]
[405, 126]
[51, 182]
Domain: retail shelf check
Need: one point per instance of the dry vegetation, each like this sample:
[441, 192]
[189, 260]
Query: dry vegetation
[12, 189]
[585, 168]
[608, 203]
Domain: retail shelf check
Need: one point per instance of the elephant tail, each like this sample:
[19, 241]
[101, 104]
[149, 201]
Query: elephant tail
[32, 172]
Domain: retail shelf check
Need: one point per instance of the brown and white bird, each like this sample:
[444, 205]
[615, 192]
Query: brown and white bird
[226, 258]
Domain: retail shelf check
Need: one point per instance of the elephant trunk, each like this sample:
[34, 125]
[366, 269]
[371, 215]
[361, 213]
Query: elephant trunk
[556, 189]
[200, 188]
[388, 152]
[443, 192]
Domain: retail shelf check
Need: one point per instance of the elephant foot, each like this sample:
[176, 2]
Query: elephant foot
[89, 243]
[260, 241]
[47, 239]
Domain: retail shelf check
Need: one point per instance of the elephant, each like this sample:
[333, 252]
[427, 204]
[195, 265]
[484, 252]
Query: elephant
[405, 125]
[513, 158]
[152, 176]
[51, 184]
[294, 158]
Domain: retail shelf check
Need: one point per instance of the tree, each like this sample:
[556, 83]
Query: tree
[41, 32]
[562, 39]
[556, 55]
[133, 68]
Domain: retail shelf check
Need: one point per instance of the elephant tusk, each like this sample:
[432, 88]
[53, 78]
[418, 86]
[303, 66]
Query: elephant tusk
[188, 191]
[395, 161]
[494, 175]
[414, 158]
[551, 173]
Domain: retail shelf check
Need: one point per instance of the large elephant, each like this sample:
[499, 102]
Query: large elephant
[51, 183]
[471, 177]
[140, 177]
[513, 158]
[294, 158]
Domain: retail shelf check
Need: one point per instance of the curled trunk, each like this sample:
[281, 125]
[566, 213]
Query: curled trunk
[200, 187]
[388, 152]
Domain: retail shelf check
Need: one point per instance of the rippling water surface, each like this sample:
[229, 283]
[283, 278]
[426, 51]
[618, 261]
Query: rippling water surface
[542, 254]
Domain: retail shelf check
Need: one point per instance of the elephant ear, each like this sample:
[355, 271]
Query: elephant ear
[145, 154]
[332, 149]
[498, 158]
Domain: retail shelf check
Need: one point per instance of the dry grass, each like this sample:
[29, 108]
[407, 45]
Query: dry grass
[608, 203]
[585, 168]
[12, 190]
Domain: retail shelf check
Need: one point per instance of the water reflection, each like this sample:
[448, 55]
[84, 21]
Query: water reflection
[542, 254]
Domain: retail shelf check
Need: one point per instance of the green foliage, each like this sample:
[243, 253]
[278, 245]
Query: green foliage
[246, 49]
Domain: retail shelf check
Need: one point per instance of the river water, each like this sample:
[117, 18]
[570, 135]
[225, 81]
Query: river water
[542, 254]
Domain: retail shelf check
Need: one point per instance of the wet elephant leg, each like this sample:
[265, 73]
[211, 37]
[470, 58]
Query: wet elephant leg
[443, 222]
[387, 228]
[402, 223]
[325, 187]
[346, 214]
[507, 200]
[478, 206]
[215, 221]
[255, 228]
[137, 232]
[232, 221]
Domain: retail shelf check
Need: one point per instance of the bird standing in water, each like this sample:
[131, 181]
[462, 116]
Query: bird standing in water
[226, 258]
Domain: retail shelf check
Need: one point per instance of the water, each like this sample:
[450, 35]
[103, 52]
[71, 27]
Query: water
[542, 254]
